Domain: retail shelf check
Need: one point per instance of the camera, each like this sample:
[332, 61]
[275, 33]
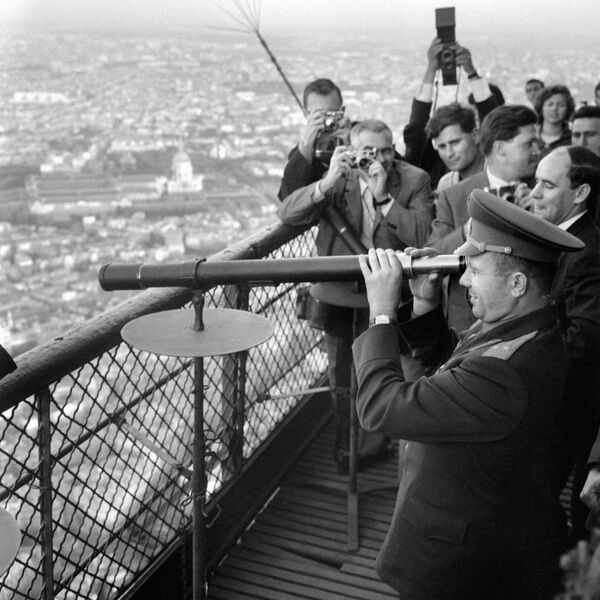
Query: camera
[332, 119]
[445, 24]
[363, 160]
[331, 136]
[507, 192]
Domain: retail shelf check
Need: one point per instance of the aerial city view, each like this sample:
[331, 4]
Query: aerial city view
[153, 145]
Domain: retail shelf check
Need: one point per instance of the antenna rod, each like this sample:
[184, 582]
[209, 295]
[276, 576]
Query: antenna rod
[274, 61]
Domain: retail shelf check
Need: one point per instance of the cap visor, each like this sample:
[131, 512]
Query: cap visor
[467, 249]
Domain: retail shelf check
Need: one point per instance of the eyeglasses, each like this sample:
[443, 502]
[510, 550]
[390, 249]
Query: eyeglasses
[385, 153]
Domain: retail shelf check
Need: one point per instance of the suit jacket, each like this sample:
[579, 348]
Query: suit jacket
[406, 224]
[472, 511]
[447, 235]
[576, 289]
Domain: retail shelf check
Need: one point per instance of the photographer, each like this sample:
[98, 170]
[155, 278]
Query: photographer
[387, 203]
[326, 127]
[419, 150]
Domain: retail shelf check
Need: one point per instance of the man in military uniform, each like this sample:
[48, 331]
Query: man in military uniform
[474, 513]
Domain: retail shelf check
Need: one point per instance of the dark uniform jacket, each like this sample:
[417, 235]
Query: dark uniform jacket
[406, 224]
[471, 517]
[7, 364]
[447, 235]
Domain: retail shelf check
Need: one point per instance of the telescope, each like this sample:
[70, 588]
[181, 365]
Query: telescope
[199, 273]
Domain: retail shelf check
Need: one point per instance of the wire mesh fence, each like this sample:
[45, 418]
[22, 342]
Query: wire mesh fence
[96, 467]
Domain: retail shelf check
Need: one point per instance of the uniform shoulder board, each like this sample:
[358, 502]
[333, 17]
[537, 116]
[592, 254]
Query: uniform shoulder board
[504, 350]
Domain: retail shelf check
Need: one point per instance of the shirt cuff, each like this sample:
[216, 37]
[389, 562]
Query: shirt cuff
[425, 92]
[317, 194]
[480, 88]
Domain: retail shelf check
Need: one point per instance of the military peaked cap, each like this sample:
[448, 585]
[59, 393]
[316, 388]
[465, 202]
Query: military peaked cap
[499, 226]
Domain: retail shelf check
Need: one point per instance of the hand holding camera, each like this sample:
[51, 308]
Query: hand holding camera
[464, 60]
[339, 168]
[376, 180]
[314, 125]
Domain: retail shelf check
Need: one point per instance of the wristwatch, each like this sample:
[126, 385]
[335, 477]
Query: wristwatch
[382, 320]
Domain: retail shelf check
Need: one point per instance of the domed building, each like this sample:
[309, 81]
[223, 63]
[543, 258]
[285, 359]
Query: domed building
[183, 178]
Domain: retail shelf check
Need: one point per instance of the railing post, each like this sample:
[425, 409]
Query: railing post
[240, 397]
[43, 399]
[232, 423]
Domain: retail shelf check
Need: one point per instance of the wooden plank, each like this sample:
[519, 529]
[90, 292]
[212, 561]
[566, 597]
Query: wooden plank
[296, 547]
[364, 578]
[303, 586]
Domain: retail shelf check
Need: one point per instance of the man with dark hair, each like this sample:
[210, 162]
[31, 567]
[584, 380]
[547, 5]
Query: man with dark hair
[453, 133]
[473, 516]
[566, 194]
[386, 202]
[585, 128]
[533, 89]
[419, 150]
[508, 141]
[323, 105]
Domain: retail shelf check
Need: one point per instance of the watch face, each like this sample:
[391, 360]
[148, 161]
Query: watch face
[382, 319]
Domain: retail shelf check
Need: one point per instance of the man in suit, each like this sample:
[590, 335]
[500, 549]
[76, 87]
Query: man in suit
[473, 512]
[566, 194]
[387, 203]
[508, 142]
[419, 139]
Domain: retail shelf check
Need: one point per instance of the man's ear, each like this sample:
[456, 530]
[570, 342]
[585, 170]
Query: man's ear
[499, 148]
[519, 284]
[583, 191]
[475, 135]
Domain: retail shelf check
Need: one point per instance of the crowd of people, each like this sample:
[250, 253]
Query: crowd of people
[490, 377]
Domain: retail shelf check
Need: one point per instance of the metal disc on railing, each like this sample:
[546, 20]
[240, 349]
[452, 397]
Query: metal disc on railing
[172, 332]
[10, 540]
[339, 293]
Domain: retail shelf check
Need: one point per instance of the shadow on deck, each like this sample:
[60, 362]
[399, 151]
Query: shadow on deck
[296, 547]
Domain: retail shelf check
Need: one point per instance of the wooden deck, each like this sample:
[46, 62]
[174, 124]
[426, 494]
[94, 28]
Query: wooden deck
[296, 547]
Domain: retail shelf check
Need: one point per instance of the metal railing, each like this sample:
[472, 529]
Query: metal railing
[96, 436]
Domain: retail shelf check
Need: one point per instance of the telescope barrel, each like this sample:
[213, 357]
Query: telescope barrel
[199, 273]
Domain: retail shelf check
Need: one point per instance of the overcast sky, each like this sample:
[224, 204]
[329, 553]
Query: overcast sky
[556, 17]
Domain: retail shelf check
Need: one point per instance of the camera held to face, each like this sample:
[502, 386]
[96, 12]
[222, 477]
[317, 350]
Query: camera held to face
[363, 159]
[331, 119]
[334, 133]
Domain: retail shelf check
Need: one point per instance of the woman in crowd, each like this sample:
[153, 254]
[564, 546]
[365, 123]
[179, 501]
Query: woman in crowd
[554, 107]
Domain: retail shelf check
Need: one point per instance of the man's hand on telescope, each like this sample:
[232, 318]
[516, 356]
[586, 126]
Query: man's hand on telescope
[383, 275]
[426, 288]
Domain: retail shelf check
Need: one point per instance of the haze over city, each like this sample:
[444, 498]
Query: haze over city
[554, 20]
